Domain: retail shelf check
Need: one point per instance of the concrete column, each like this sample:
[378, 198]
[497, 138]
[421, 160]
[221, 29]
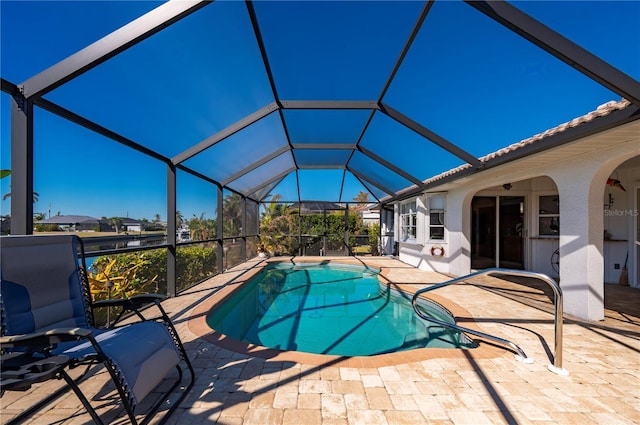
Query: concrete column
[581, 238]
[458, 223]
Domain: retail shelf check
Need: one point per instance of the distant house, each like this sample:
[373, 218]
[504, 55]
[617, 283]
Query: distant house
[132, 225]
[370, 213]
[73, 222]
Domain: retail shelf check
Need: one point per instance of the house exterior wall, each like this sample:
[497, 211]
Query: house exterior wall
[587, 260]
[621, 225]
[370, 217]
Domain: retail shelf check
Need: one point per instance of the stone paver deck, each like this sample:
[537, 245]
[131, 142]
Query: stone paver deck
[241, 384]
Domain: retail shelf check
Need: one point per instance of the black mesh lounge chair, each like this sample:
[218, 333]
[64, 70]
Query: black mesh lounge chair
[48, 326]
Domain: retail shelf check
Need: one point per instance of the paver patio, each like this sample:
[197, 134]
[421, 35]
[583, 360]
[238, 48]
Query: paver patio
[240, 384]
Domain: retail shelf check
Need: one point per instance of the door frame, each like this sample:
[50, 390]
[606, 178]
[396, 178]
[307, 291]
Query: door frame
[525, 221]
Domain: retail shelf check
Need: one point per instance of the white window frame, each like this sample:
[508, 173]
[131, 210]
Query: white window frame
[550, 215]
[408, 214]
[441, 211]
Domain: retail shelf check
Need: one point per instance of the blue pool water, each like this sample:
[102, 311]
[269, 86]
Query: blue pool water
[315, 308]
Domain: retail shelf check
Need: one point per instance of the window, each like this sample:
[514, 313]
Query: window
[436, 217]
[408, 220]
[549, 215]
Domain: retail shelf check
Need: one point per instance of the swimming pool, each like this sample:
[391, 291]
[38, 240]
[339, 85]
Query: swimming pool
[328, 309]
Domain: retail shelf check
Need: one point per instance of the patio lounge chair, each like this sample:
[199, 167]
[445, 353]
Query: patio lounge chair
[48, 327]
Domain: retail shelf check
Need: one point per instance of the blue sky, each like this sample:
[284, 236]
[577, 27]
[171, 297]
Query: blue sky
[466, 77]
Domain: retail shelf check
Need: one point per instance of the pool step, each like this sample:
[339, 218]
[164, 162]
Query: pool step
[416, 339]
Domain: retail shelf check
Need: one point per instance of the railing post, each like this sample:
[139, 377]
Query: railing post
[558, 325]
[556, 367]
[171, 231]
[21, 165]
[220, 230]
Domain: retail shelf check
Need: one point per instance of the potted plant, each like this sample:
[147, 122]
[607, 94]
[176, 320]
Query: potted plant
[262, 252]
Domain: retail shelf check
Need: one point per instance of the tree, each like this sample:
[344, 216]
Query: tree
[201, 228]
[43, 227]
[232, 214]
[6, 173]
[277, 233]
[374, 238]
[362, 197]
[36, 195]
[273, 208]
[116, 222]
[179, 219]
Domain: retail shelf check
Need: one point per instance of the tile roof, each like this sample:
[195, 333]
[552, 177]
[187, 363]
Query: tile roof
[602, 110]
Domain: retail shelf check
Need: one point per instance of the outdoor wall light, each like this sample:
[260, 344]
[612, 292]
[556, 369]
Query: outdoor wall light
[507, 186]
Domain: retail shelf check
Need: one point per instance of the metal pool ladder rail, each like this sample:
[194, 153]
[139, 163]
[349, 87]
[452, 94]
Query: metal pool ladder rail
[556, 367]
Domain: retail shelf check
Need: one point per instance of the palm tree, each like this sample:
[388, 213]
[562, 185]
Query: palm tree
[5, 173]
[232, 214]
[36, 195]
[273, 209]
[179, 219]
[201, 228]
[116, 222]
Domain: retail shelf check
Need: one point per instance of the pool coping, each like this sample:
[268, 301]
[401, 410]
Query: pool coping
[199, 327]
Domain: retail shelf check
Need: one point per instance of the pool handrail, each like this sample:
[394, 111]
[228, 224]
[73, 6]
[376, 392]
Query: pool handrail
[556, 367]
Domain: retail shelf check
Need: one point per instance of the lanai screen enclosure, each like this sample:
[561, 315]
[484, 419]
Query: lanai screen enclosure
[183, 103]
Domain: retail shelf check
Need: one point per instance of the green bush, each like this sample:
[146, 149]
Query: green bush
[278, 233]
[194, 263]
[374, 237]
[146, 271]
[143, 272]
[46, 227]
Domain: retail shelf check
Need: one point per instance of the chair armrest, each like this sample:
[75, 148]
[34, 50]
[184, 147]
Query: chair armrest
[132, 303]
[45, 338]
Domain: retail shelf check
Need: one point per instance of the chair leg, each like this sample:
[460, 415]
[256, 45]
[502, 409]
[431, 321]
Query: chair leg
[82, 398]
[26, 414]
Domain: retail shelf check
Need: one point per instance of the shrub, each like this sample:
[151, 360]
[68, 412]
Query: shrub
[130, 274]
[143, 272]
[374, 238]
[194, 263]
